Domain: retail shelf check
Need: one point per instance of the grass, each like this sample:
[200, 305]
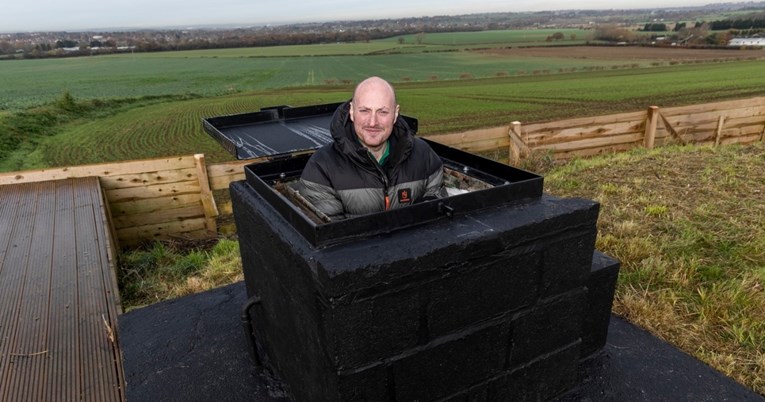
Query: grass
[688, 225]
[168, 270]
[25, 135]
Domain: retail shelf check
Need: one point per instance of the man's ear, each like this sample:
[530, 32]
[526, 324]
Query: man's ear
[397, 109]
[350, 110]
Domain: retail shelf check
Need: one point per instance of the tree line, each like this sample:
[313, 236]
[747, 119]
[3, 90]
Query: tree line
[79, 44]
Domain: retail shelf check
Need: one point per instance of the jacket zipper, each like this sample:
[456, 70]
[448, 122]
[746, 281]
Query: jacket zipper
[384, 178]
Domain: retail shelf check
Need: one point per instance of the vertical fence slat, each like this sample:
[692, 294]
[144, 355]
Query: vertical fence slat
[650, 128]
[208, 201]
[718, 132]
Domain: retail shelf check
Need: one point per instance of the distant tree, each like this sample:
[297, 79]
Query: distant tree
[573, 36]
[678, 26]
[65, 43]
[719, 38]
[558, 36]
[401, 40]
[6, 47]
[655, 27]
[420, 38]
[612, 33]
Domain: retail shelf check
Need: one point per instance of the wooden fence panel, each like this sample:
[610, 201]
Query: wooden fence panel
[147, 178]
[190, 228]
[736, 121]
[153, 191]
[757, 102]
[606, 142]
[158, 217]
[582, 134]
[222, 174]
[154, 194]
[481, 140]
[142, 207]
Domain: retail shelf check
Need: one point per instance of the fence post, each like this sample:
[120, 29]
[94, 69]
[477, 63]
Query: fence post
[208, 202]
[652, 120]
[718, 133]
[514, 156]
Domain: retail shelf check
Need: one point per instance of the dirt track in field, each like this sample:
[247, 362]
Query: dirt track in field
[629, 53]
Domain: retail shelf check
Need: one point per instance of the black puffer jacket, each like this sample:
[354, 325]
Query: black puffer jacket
[343, 180]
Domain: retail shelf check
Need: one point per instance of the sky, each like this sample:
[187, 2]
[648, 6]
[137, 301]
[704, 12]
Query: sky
[81, 15]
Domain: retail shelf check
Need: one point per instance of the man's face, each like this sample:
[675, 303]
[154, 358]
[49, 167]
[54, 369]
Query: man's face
[373, 112]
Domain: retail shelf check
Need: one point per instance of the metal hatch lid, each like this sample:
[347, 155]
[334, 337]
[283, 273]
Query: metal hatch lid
[276, 131]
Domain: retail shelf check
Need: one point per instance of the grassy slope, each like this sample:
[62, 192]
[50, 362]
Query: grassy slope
[688, 225]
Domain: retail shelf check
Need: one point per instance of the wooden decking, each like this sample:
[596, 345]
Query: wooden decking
[58, 294]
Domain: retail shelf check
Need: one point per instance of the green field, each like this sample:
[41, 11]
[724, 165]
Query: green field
[144, 105]
[325, 49]
[522, 37]
[29, 83]
[174, 128]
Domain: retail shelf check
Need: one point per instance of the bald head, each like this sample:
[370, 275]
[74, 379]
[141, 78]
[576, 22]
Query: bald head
[375, 84]
[374, 111]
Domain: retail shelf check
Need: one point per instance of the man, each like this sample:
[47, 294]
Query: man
[375, 162]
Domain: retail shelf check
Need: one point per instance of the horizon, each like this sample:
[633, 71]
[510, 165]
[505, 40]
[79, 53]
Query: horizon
[175, 14]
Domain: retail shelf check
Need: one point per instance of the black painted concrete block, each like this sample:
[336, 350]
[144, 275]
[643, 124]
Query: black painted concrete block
[501, 285]
[367, 384]
[476, 393]
[542, 379]
[370, 330]
[407, 255]
[452, 363]
[286, 321]
[601, 286]
[441, 311]
[411, 257]
[548, 326]
[265, 254]
[567, 262]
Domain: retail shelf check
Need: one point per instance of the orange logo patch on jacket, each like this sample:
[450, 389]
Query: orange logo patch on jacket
[404, 196]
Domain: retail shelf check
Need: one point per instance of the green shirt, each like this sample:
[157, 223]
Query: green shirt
[385, 154]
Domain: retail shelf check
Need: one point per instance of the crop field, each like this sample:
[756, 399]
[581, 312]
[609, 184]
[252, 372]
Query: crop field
[522, 37]
[29, 83]
[325, 49]
[447, 91]
[174, 128]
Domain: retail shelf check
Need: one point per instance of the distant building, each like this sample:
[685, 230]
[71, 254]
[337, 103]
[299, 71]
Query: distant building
[738, 42]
